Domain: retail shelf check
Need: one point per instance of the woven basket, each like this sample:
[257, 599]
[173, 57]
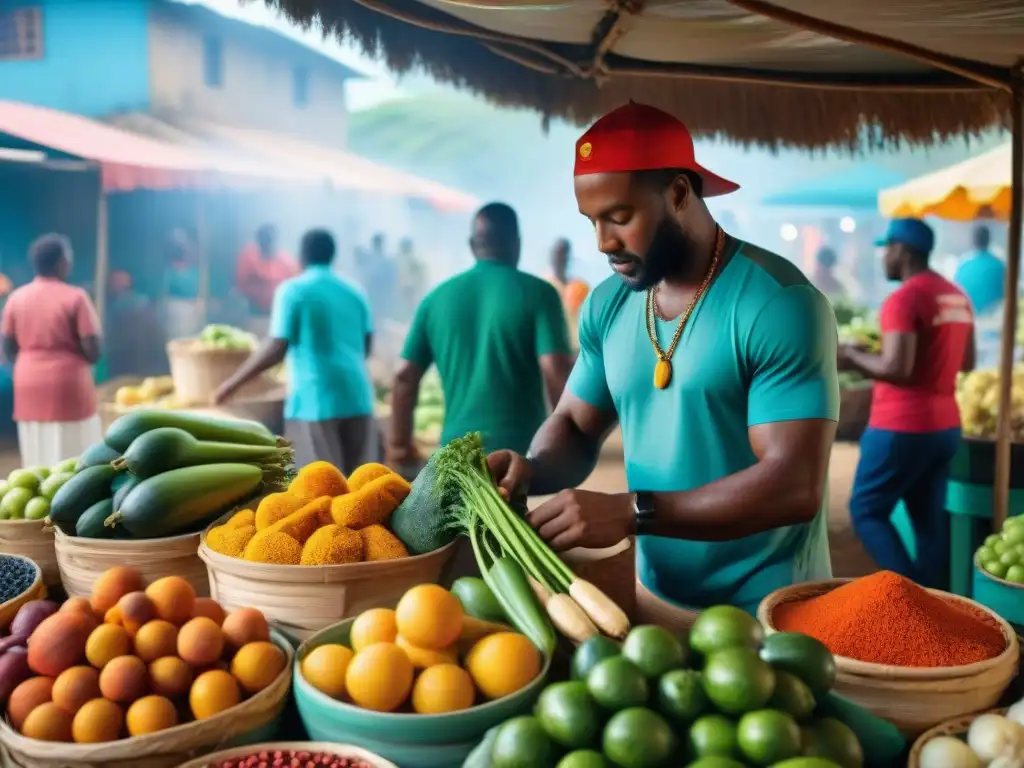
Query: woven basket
[197, 370]
[913, 699]
[340, 750]
[956, 726]
[37, 591]
[247, 722]
[34, 540]
[82, 560]
[303, 599]
[854, 411]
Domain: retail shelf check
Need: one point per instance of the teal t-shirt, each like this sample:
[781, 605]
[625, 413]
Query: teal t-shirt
[486, 330]
[759, 347]
[981, 277]
[325, 320]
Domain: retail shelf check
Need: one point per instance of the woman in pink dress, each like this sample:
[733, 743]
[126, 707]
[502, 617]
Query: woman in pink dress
[51, 334]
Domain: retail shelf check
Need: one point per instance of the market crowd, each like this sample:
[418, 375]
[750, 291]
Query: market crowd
[717, 359]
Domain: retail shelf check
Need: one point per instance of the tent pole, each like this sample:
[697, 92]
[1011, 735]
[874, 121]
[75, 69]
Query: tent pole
[102, 277]
[1004, 436]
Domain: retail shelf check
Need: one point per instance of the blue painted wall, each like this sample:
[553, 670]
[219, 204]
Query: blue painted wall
[95, 58]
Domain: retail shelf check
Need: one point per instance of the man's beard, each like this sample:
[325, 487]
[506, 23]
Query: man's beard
[671, 251]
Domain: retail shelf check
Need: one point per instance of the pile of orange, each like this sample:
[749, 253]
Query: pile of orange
[131, 661]
[425, 656]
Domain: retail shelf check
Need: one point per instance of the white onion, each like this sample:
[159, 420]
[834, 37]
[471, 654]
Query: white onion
[993, 735]
[948, 752]
[1016, 713]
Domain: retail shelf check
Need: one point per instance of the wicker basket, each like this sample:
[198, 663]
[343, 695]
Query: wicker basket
[37, 591]
[34, 540]
[247, 723]
[913, 699]
[340, 750]
[82, 560]
[198, 370]
[956, 726]
[854, 411]
[304, 599]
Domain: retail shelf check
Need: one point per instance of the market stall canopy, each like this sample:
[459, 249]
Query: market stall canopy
[856, 187]
[976, 188]
[128, 161]
[720, 65]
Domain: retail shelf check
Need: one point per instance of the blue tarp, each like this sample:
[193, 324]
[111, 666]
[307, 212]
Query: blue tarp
[856, 187]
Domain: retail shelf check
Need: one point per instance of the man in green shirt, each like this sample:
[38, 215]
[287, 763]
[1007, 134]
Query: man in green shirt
[499, 340]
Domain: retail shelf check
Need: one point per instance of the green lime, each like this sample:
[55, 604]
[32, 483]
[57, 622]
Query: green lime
[639, 738]
[1014, 534]
[41, 472]
[618, 684]
[68, 465]
[725, 626]
[654, 650]
[713, 735]
[716, 761]
[792, 696]
[14, 502]
[49, 487]
[597, 648]
[522, 743]
[803, 656]
[994, 567]
[736, 680]
[991, 539]
[583, 758]
[807, 762]
[4, 487]
[1000, 546]
[569, 715]
[681, 697]
[37, 508]
[768, 736]
[24, 478]
[833, 740]
[985, 554]
[1009, 557]
[1015, 573]
[477, 599]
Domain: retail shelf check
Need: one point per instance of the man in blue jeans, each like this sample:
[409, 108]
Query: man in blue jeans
[927, 339]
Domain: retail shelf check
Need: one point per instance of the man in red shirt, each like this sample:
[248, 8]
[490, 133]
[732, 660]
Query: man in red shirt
[914, 430]
[261, 269]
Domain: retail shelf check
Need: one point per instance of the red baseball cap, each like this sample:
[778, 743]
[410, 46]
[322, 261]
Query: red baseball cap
[638, 137]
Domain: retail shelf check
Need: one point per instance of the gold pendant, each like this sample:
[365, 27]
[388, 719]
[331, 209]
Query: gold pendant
[662, 374]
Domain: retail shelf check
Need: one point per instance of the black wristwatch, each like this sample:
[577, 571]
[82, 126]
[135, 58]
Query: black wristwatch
[643, 507]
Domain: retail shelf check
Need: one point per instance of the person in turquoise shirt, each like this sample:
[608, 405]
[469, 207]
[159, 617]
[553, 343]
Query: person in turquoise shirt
[982, 273]
[320, 325]
[718, 361]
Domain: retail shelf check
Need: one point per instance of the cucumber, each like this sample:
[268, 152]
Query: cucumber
[184, 499]
[96, 454]
[122, 432]
[122, 486]
[90, 524]
[166, 448]
[78, 494]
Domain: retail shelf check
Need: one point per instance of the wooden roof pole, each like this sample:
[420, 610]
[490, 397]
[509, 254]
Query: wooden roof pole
[1004, 435]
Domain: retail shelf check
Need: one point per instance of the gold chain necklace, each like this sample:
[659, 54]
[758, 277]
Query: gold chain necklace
[663, 368]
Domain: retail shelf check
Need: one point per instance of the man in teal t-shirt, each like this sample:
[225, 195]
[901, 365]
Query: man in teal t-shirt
[981, 275]
[499, 340]
[718, 361]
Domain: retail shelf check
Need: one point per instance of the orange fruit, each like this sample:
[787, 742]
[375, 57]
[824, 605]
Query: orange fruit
[213, 692]
[26, 697]
[173, 597]
[324, 668]
[246, 625]
[75, 686]
[170, 677]
[156, 639]
[149, 715]
[503, 663]
[210, 608]
[379, 677]
[97, 721]
[257, 665]
[200, 641]
[47, 722]
[443, 688]
[124, 679]
[429, 616]
[133, 610]
[112, 585]
[422, 658]
[107, 642]
[79, 604]
[376, 625]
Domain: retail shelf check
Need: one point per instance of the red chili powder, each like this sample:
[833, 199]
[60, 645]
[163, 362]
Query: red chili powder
[885, 618]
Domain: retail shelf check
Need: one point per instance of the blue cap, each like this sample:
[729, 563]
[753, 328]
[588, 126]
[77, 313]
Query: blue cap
[910, 232]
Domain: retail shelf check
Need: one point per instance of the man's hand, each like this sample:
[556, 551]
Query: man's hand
[223, 393]
[512, 474]
[401, 455]
[577, 518]
[843, 355]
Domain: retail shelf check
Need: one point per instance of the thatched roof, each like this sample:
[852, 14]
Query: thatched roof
[745, 69]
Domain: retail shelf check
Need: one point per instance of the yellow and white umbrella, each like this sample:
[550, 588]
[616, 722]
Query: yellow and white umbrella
[972, 189]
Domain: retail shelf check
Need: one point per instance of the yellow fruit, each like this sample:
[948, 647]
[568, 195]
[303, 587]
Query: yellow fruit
[107, 642]
[170, 677]
[213, 692]
[149, 715]
[75, 686]
[379, 677]
[246, 625]
[97, 721]
[257, 665]
[173, 597]
[429, 616]
[200, 641]
[124, 679]
[376, 625]
[422, 658]
[503, 663]
[443, 688]
[47, 722]
[156, 639]
[324, 668]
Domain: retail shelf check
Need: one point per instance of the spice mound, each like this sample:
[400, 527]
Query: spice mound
[885, 618]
